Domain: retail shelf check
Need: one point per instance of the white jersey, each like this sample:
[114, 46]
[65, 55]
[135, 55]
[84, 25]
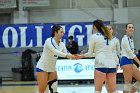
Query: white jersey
[127, 46]
[116, 49]
[50, 53]
[103, 51]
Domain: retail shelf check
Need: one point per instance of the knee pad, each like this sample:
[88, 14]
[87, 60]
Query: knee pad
[97, 92]
[127, 87]
[137, 85]
[53, 86]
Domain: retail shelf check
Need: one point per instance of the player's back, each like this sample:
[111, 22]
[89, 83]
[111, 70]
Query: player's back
[103, 52]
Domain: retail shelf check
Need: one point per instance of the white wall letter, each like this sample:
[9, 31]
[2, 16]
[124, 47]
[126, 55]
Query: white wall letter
[39, 35]
[14, 37]
[23, 37]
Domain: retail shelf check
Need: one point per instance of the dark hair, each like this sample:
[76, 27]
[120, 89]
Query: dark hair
[70, 37]
[127, 25]
[102, 29]
[55, 28]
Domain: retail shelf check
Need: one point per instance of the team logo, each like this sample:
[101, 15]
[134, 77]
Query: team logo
[78, 67]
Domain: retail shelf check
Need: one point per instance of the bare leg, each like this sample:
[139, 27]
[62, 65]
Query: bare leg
[136, 75]
[52, 75]
[99, 78]
[127, 72]
[111, 82]
[42, 79]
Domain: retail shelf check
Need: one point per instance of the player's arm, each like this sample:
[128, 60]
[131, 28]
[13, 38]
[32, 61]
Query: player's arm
[90, 52]
[125, 44]
[118, 48]
[49, 44]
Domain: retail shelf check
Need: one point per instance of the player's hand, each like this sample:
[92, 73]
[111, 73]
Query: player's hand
[73, 57]
[79, 56]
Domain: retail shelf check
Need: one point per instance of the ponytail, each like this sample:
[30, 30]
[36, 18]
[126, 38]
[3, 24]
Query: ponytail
[106, 32]
[102, 29]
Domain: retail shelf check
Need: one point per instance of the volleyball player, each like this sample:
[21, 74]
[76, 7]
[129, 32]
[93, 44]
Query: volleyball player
[126, 63]
[105, 65]
[45, 69]
[115, 48]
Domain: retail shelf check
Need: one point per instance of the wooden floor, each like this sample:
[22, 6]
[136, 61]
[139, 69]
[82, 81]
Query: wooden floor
[31, 87]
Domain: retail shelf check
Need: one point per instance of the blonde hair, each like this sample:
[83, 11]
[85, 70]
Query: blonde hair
[106, 32]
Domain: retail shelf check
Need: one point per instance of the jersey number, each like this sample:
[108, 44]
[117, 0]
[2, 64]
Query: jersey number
[106, 41]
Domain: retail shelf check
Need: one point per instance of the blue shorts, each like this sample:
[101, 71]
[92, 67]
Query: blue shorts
[125, 61]
[107, 70]
[39, 70]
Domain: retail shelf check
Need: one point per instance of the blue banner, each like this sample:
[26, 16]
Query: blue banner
[34, 35]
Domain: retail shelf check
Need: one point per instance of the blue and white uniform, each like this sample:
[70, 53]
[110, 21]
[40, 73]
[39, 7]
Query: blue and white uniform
[50, 54]
[127, 52]
[116, 49]
[102, 48]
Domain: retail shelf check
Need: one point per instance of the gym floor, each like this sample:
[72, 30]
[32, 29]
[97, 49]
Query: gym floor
[31, 87]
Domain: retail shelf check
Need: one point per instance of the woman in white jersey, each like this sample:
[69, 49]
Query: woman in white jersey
[45, 69]
[126, 63]
[105, 65]
[116, 46]
[116, 49]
